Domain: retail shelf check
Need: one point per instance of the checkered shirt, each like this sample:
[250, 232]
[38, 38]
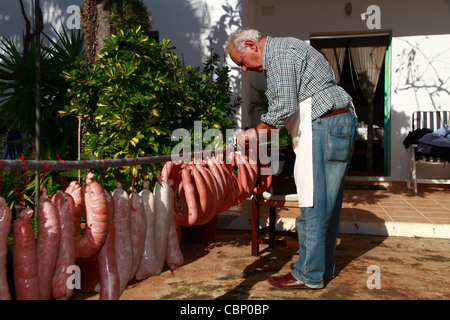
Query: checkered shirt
[295, 71]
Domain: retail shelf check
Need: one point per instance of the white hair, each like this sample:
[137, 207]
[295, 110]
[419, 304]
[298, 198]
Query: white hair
[239, 37]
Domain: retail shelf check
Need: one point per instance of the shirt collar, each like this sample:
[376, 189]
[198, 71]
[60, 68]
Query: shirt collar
[266, 52]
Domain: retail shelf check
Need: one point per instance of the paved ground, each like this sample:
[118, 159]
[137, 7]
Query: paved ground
[409, 269]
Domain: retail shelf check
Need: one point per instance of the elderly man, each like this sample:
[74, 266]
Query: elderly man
[319, 115]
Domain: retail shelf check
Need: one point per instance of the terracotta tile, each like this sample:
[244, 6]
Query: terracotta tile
[434, 211]
[392, 202]
[395, 213]
[395, 204]
[400, 210]
[428, 203]
[445, 203]
[440, 220]
[366, 206]
[411, 219]
[373, 218]
[437, 214]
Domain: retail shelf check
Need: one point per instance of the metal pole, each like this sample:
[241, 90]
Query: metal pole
[62, 165]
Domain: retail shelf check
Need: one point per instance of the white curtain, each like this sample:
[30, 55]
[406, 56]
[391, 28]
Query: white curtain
[367, 63]
[335, 57]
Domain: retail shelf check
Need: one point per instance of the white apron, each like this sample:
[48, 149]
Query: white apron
[300, 128]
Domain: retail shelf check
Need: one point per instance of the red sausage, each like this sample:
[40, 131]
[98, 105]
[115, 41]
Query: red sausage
[181, 215]
[243, 176]
[77, 192]
[25, 265]
[48, 243]
[5, 229]
[67, 248]
[138, 230]
[232, 190]
[228, 167]
[107, 266]
[227, 191]
[122, 225]
[203, 196]
[239, 191]
[96, 220]
[219, 183]
[170, 172]
[211, 193]
[191, 196]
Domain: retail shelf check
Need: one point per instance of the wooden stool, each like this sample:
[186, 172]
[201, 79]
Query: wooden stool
[272, 201]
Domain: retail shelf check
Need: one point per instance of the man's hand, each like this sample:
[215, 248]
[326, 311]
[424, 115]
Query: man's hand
[264, 126]
[246, 138]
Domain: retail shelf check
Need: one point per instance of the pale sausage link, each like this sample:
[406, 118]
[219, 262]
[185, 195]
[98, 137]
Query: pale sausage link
[107, 263]
[122, 228]
[174, 256]
[163, 194]
[149, 264]
[138, 230]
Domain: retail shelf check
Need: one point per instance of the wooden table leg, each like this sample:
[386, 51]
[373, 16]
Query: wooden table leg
[255, 226]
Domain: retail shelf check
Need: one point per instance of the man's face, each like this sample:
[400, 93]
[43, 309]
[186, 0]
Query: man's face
[250, 59]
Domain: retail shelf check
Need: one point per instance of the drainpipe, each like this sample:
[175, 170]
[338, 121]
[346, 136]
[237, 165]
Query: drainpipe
[38, 94]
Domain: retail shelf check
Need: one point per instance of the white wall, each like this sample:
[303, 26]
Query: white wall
[195, 27]
[420, 51]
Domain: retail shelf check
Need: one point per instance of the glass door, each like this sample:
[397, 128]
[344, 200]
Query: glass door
[361, 63]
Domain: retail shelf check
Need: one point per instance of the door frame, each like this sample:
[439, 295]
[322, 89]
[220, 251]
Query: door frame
[387, 78]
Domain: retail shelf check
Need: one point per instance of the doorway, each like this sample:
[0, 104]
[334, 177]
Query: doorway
[360, 62]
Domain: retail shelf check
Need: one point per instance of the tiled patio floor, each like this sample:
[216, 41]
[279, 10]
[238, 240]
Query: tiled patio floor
[397, 211]
[412, 268]
[398, 204]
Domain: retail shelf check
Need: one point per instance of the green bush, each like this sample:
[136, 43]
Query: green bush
[138, 92]
[17, 108]
[18, 98]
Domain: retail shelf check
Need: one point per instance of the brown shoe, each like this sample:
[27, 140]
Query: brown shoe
[287, 282]
[325, 277]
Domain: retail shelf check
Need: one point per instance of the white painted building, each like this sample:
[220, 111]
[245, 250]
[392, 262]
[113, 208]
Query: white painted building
[415, 75]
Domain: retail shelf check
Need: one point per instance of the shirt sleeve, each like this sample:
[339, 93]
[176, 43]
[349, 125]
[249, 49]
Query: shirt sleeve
[281, 90]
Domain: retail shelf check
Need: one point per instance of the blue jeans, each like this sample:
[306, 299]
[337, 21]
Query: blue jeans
[318, 226]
